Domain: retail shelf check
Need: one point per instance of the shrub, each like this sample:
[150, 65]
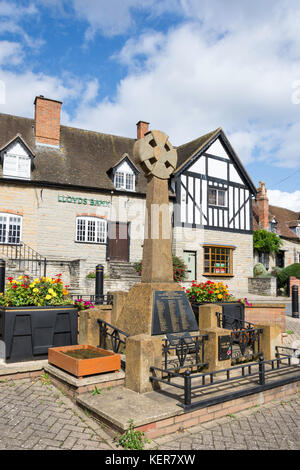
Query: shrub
[285, 273]
[266, 242]
[179, 268]
[259, 270]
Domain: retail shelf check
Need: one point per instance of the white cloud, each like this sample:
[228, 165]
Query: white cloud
[200, 76]
[284, 199]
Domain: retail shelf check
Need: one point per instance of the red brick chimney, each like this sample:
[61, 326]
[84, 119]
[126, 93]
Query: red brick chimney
[263, 206]
[142, 129]
[47, 121]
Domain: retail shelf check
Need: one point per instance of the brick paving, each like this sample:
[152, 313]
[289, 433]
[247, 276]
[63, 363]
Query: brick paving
[36, 415]
[275, 426]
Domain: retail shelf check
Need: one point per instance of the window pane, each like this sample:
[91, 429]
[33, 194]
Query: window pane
[80, 230]
[91, 231]
[129, 181]
[119, 180]
[101, 231]
[3, 222]
[212, 196]
[221, 198]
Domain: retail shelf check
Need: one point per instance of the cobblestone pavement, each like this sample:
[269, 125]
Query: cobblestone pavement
[36, 415]
[275, 426]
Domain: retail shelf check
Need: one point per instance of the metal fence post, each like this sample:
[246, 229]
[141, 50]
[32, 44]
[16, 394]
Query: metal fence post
[2, 276]
[262, 378]
[99, 284]
[187, 388]
[295, 302]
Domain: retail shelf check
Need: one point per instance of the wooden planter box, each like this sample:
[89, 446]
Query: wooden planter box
[106, 362]
[28, 332]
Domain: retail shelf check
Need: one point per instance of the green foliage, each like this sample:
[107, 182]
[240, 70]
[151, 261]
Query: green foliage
[285, 273]
[275, 271]
[91, 275]
[259, 270]
[97, 391]
[266, 242]
[179, 269]
[39, 292]
[132, 439]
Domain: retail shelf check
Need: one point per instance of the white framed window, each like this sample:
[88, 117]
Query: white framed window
[10, 229]
[125, 180]
[16, 166]
[217, 197]
[91, 230]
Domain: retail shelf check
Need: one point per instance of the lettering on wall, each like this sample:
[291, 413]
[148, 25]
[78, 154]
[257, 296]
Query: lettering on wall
[82, 200]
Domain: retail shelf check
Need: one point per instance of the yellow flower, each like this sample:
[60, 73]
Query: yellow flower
[220, 296]
[48, 297]
[35, 290]
[65, 292]
[37, 281]
[32, 285]
[217, 291]
[54, 294]
[51, 291]
[20, 277]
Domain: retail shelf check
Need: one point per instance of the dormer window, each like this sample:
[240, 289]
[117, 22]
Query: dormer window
[125, 176]
[16, 166]
[17, 159]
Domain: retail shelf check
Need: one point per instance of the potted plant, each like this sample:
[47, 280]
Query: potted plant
[216, 292]
[35, 316]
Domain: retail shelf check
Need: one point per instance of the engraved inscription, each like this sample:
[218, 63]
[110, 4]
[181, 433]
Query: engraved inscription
[224, 348]
[172, 313]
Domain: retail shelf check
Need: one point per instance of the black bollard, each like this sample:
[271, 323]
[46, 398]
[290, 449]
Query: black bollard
[295, 302]
[99, 284]
[2, 276]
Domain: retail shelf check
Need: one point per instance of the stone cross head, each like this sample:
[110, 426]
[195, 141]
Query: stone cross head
[156, 155]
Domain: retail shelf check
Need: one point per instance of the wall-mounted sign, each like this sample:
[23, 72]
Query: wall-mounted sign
[83, 200]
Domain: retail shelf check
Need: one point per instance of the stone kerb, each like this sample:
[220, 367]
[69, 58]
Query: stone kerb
[88, 325]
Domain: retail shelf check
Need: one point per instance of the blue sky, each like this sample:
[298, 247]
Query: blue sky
[187, 66]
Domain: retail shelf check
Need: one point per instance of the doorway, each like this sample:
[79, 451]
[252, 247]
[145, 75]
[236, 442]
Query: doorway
[118, 243]
[189, 258]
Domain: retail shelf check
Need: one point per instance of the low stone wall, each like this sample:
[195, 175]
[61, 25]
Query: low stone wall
[210, 413]
[267, 313]
[294, 282]
[262, 286]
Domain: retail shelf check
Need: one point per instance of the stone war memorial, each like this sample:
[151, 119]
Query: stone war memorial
[158, 305]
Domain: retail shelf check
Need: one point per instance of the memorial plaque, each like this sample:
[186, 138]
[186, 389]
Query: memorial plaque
[225, 351]
[172, 313]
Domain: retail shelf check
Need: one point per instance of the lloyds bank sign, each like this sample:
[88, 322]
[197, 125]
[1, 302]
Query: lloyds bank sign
[82, 200]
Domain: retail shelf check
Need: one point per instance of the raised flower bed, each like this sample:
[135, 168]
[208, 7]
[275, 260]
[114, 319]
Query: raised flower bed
[216, 292]
[35, 316]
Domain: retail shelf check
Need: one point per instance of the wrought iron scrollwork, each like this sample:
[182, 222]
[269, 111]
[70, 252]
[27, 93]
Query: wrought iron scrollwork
[117, 336]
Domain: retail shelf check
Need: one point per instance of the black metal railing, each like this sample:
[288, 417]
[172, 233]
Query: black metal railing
[256, 372]
[25, 258]
[105, 299]
[117, 337]
[245, 337]
[179, 351]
